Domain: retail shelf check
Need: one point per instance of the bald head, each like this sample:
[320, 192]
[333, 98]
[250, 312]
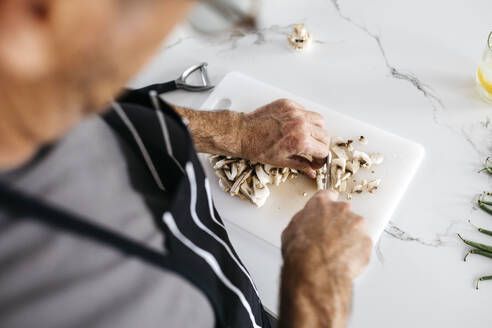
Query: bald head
[63, 59]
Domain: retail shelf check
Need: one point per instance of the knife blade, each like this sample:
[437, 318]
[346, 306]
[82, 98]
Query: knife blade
[328, 171]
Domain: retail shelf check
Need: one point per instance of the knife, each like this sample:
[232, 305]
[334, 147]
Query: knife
[328, 171]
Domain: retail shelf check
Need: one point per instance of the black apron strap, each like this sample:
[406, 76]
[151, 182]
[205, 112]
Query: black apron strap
[20, 206]
[141, 96]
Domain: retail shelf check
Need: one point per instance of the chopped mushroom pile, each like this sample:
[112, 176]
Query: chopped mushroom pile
[249, 180]
[346, 164]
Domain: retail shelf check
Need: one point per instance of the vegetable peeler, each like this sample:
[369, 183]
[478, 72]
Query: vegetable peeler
[180, 82]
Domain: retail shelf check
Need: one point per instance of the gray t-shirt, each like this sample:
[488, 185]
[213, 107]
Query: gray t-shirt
[50, 278]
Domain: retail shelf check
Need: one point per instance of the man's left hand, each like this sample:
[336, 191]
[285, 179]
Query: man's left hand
[284, 134]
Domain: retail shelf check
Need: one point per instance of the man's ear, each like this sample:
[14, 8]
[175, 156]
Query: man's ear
[25, 50]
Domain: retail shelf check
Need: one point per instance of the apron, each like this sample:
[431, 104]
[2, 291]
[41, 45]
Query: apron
[199, 249]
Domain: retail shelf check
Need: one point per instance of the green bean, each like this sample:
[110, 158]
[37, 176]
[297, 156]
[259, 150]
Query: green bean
[485, 208]
[486, 166]
[479, 252]
[483, 247]
[480, 200]
[482, 204]
[484, 231]
[482, 279]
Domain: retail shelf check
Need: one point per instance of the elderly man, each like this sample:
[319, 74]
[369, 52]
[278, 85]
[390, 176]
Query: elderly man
[107, 221]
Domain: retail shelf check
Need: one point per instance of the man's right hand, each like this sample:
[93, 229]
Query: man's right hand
[324, 247]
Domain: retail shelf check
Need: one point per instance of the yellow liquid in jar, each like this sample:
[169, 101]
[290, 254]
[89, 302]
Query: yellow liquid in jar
[484, 80]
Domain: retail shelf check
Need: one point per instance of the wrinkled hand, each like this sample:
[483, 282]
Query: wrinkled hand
[284, 134]
[331, 232]
[324, 247]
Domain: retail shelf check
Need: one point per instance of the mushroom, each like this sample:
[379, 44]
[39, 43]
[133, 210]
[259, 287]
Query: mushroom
[363, 140]
[299, 39]
[258, 193]
[343, 186]
[220, 164]
[321, 177]
[339, 142]
[376, 158]
[237, 184]
[352, 166]
[223, 181]
[339, 152]
[358, 188]
[284, 174]
[373, 185]
[248, 179]
[363, 158]
[276, 176]
[262, 175]
[337, 170]
[231, 172]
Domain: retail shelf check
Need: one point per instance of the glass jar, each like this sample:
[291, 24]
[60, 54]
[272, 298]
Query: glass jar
[484, 72]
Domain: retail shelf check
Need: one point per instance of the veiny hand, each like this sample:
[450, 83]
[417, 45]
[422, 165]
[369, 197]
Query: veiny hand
[331, 232]
[324, 247]
[283, 134]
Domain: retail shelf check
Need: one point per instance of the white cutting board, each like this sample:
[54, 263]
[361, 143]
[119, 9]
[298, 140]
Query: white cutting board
[401, 160]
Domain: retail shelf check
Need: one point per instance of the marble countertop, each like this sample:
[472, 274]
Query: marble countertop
[404, 66]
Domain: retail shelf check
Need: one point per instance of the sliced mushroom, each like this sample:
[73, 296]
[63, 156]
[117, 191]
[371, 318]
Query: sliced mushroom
[350, 146]
[261, 192]
[373, 185]
[358, 189]
[276, 176]
[343, 186]
[285, 174]
[250, 180]
[223, 181]
[267, 168]
[339, 142]
[237, 184]
[214, 158]
[339, 152]
[321, 178]
[262, 175]
[363, 158]
[231, 172]
[352, 166]
[346, 175]
[223, 162]
[376, 158]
